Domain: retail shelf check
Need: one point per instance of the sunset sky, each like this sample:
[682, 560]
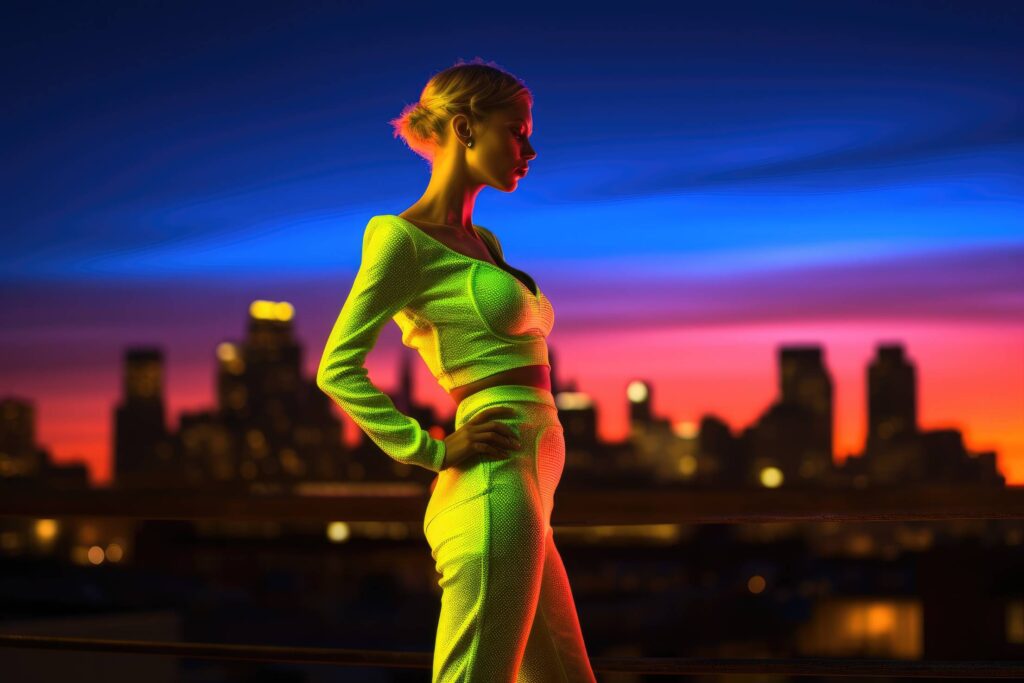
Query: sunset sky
[712, 181]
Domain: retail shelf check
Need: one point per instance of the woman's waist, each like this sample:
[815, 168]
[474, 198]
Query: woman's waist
[538, 376]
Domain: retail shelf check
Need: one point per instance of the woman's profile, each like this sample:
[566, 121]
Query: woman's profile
[480, 325]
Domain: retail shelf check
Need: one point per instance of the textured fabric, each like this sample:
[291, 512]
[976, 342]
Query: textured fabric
[388, 278]
[507, 611]
[466, 317]
[470, 318]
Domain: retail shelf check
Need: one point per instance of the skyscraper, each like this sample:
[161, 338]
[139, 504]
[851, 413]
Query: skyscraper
[892, 397]
[141, 449]
[804, 381]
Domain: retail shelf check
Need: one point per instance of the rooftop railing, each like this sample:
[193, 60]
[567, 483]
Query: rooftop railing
[572, 508]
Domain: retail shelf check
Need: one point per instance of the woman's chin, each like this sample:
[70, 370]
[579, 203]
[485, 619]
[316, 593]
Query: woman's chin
[511, 182]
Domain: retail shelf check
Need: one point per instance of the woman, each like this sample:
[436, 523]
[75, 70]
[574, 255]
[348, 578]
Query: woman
[507, 611]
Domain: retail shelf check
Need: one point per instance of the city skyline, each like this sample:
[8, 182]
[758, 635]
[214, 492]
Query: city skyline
[846, 174]
[892, 409]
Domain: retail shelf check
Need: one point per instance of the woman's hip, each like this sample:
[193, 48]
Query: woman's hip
[518, 485]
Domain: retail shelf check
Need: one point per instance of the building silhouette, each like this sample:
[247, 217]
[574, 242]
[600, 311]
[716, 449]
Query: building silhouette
[141, 449]
[23, 463]
[892, 397]
[272, 427]
[790, 443]
[896, 451]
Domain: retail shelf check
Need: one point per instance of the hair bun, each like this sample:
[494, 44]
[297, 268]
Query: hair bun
[473, 89]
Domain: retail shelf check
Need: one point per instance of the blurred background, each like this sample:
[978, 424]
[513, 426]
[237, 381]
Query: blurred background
[783, 242]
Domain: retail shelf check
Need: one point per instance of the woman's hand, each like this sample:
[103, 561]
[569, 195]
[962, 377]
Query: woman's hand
[482, 434]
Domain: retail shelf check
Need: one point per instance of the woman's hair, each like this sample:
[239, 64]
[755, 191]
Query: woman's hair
[471, 88]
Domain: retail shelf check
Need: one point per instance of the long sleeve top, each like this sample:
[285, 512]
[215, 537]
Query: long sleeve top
[467, 318]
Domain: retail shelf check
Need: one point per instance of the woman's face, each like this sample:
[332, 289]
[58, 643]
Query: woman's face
[501, 146]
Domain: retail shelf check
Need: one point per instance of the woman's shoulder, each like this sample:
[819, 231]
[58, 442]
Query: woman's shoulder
[388, 225]
[392, 222]
[389, 234]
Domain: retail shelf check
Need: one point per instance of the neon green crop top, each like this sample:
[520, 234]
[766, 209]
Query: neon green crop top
[466, 317]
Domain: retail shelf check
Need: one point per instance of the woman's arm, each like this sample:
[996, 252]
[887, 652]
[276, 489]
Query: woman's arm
[387, 280]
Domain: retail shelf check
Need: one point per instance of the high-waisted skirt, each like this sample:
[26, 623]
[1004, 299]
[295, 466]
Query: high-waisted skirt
[507, 611]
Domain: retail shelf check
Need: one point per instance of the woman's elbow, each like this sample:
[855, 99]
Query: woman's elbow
[331, 376]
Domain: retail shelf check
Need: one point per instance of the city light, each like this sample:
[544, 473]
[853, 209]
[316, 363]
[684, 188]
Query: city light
[572, 400]
[687, 465]
[338, 532]
[46, 530]
[636, 391]
[96, 554]
[771, 477]
[261, 309]
[114, 552]
[227, 352]
[685, 429]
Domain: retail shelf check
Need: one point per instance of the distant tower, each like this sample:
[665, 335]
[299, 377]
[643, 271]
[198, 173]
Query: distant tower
[892, 397]
[273, 372]
[578, 416]
[272, 426]
[638, 392]
[717, 451]
[140, 434]
[406, 382]
[895, 453]
[278, 424]
[804, 381]
[19, 456]
[791, 443]
[17, 426]
[232, 390]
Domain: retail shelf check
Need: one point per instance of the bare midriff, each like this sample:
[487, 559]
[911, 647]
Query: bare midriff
[532, 375]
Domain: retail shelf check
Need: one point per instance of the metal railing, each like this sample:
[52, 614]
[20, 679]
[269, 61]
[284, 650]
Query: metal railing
[573, 508]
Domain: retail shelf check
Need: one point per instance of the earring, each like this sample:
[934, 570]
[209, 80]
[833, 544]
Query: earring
[469, 143]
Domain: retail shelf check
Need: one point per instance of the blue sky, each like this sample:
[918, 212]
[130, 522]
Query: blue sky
[227, 140]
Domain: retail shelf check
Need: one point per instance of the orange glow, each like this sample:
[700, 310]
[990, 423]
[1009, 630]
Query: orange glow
[1015, 621]
[879, 619]
[114, 552]
[969, 376]
[858, 627]
[96, 554]
[46, 530]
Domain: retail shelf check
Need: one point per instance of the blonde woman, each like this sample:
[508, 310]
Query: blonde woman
[480, 325]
